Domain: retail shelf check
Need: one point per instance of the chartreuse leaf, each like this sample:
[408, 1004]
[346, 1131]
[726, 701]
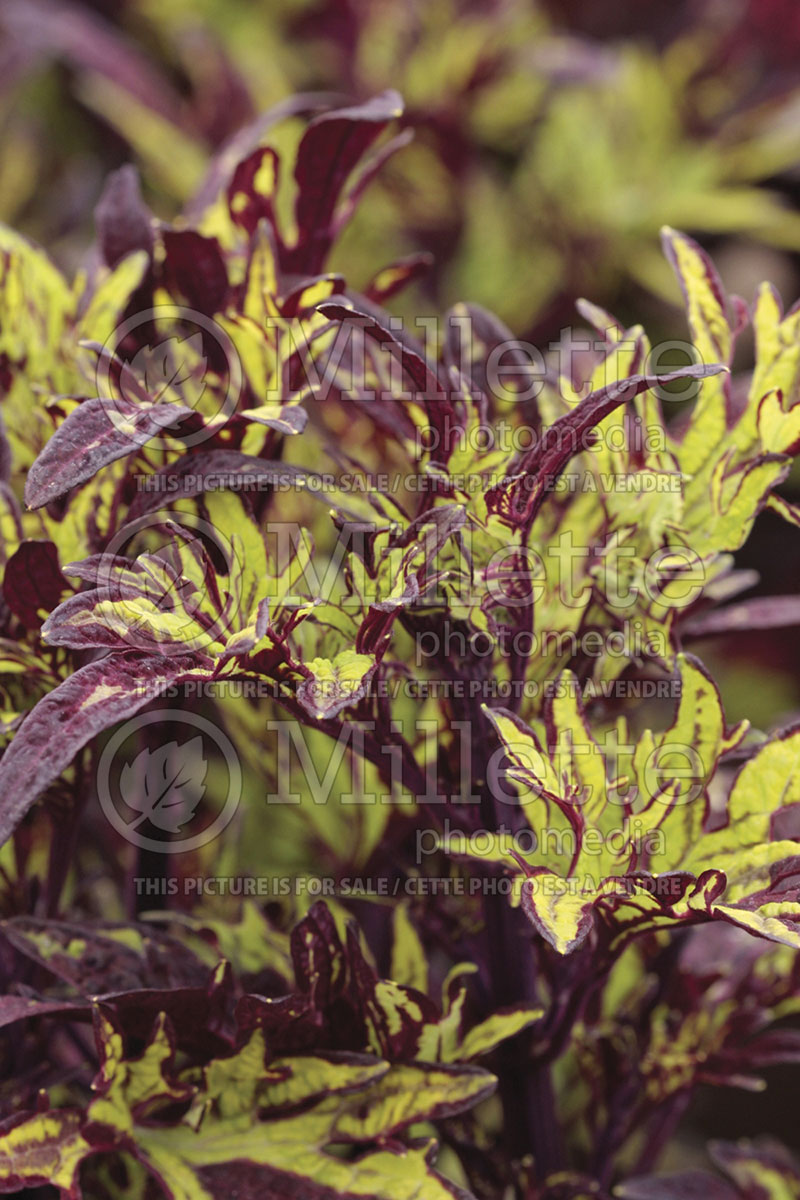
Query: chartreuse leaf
[293, 1161]
[712, 336]
[284, 1115]
[773, 392]
[175, 600]
[575, 753]
[250, 944]
[483, 1038]
[779, 423]
[295, 1081]
[563, 917]
[133, 1088]
[737, 495]
[407, 1094]
[691, 748]
[773, 772]
[409, 961]
[334, 684]
[635, 851]
[541, 791]
[744, 847]
[237, 1083]
[446, 1041]
[44, 1150]
[439, 1041]
[36, 304]
[110, 298]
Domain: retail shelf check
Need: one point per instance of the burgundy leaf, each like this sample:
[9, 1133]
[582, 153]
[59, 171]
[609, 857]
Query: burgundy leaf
[91, 438]
[93, 699]
[472, 333]
[251, 191]
[198, 1014]
[762, 612]
[397, 1033]
[291, 1022]
[422, 377]
[124, 223]
[398, 275]
[317, 954]
[330, 149]
[683, 1185]
[22, 1008]
[193, 474]
[195, 269]
[33, 581]
[248, 140]
[518, 499]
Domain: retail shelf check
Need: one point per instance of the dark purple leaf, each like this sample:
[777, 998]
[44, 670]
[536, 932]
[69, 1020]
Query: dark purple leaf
[518, 499]
[397, 1032]
[199, 1015]
[61, 724]
[762, 612]
[683, 1185]
[318, 955]
[22, 1008]
[330, 149]
[195, 269]
[5, 457]
[252, 190]
[422, 377]
[290, 1022]
[193, 474]
[96, 957]
[398, 275]
[89, 439]
[746, 1161]
[33, 581]
[123, 221]
[472, 333]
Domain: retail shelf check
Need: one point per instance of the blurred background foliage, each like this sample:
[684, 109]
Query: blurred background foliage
[552, 140]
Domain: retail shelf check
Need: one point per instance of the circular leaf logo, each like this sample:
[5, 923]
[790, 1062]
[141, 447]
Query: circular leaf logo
[152, 795]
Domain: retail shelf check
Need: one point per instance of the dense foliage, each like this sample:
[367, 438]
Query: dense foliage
[459, 583]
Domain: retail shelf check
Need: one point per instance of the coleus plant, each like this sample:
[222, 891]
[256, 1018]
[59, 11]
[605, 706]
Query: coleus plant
[468, 617]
